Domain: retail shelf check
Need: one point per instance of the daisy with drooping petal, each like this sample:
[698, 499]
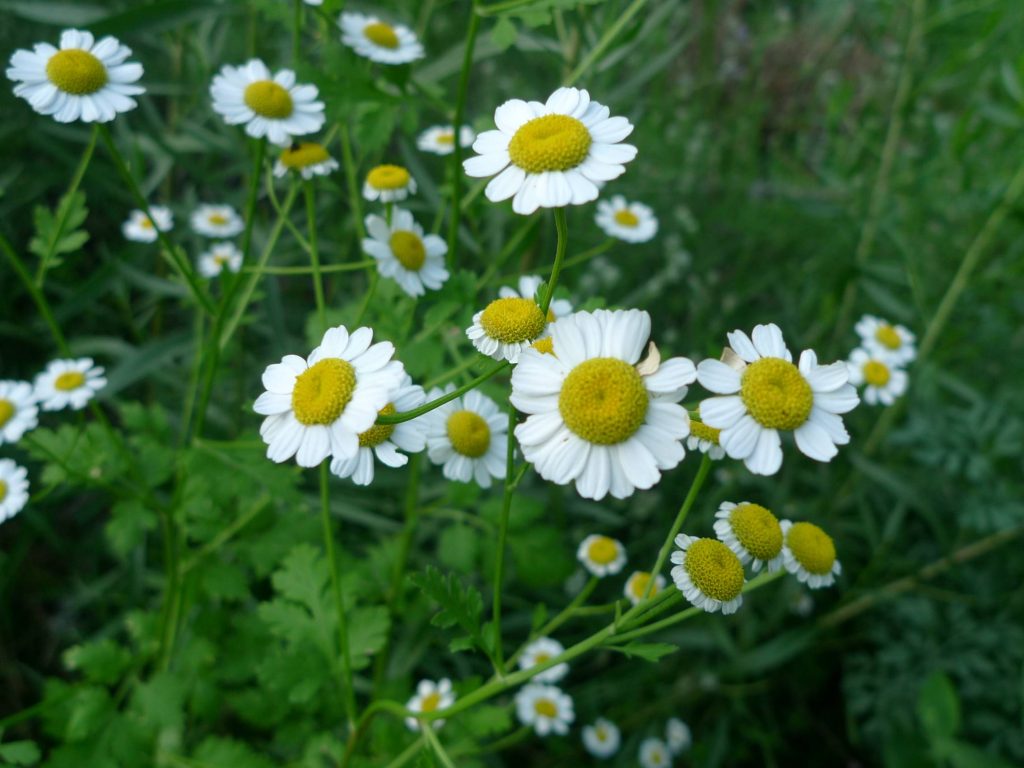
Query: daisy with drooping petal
[389, 184]
[217, 221]
[13, 489]
[632, 222]
[765, 393]
[18, 410]
[708, 573]
[219, 257]
[467, 436]
[706, 440]
[894, 342]
[319, 406]
[810, 554]
[306, 158]
[540, 650]
[67, 383]
[883, 382]
[545, 708]
[377, 41]
[677, 736]
[601, 555]
[551, 155]
[601, 739]
[513, 322]
[430, 697]
[637, 583]
[403, 253]
[752, 532]
[654, 753]
[83, 80]
[270, 105]
[385, 441]
[596, 417]
[440, 139]
[142, 229]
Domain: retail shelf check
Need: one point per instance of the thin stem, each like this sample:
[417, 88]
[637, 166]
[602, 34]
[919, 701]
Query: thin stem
[325, 269]
[351, 180]
[460, 109]
[314, 256]
[562, 229]
[587, 255]
[398, 418]
[408, 530]
[296, 33]
[435, 744]
[606, 40]
[37, 295]
[563, 616]
[407, 754]
[250, 200]
[499, 555]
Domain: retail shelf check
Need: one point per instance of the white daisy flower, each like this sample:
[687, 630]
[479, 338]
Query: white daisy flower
[319, 406]
[270, 105]
[430, 697]
[389, 184]
[527, 289]
[654, 753]
[142, 229]
[377, 41]
[220, 255]
[752, 532]
[708, 573]
[764, 393]
[440, 139]
[540, 650]
[677, 736]
[18, 410]
[514, 321]
[601, 555]
[83, 80]
[13, 489]
[313, 2]
[595, 416]
[403, 253]
[810, 554]
[883, 382]
[894, 342]
[217, 221]
[67, 383]
[636, 586]
[706, 440]
[306, 158]
[545, 708]
[386, 440]
[632, 222]
[601, 739]
[467, 436]
[551, 155]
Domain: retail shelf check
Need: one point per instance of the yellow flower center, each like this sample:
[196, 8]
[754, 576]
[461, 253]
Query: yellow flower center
[430, 702]
[602, 550]
[322, 391]
[550, 143]
[69, 381]
[408, 249]
[876, 373]
[704, 432]
[656, 757]
[776, 393]
[758, 530]
[603, 400]
[3, 490]
[303, 155]
[218, 219]
[512, 320]
[812, 548]
[714, 569]
[601, 733]
[887, 336]
[469, 434]
[145, 222]
[388, 177]
[77, 72]
[381, 34]
[446, 138]
[545, 345]
[378, 433]
[540, 658]
[220, 259]
[626, 218]
[6, 411]
[638, 585]
[268, 99]
[545, 708]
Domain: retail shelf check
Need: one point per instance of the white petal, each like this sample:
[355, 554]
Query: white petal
[716, 376]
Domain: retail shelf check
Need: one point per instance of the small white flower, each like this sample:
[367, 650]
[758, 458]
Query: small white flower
[636, 586]
[67, 383]
[467, 436]
[893, 342]
[430, 697]
[18, 410]
[389, 184]
[677, 736]
[883, 382]
[306, 158]
[13, 489]
[706, 440]
[217, 221]
[752, 532]
[440, 139]
[514, 321]
[810, 554]
[540, 650]
[403, 253]
[546, 708]
[220, 255]
[712, 565]
[377, 41]
[654, 753]
[527, 289]
[601, 739]
[141, 229]
[601, 555]
[632, 222]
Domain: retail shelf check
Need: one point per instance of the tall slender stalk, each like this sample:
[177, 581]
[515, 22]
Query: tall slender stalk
[499, 554]
[562, 230]
[460, 110]
[398, 418]
[314, 256]
[37, 295]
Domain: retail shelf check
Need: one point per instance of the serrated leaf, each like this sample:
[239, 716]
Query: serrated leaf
[460, 604]
[102, 661]
[367, 633]
[646, 651]
[938, 707]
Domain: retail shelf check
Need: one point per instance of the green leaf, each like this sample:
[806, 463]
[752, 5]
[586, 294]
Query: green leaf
[89, 709]
[101, 661]
[645, 651]
[504, 33]
[215, 752]
[130, 521]
[367, 633]
[960, 754]
[938, 707]
[460, 604]
[58, 232]
[19, 753]
[484, 721]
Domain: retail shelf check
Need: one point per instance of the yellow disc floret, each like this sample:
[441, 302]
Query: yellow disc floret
[758, 530]
[638, 585]
[603, 400]
[812, 548]
[303, 154]
[3, 490]
[545, 708]
[322, 391]
[703, 432]
[626, 218]
[469, 433]
[268, 99]
[446, 137]
[545, 345]
[888, 336]
[776, 394]
[217, 219]
[388, 177]
[602, 550]
[76, 72]
[714, 569]
[513, 320]
[430, 702]
[69, 380]
[378, 433]
[550, 143]
[876, 373]
[408, 249]
[381, 34]
[6, 411]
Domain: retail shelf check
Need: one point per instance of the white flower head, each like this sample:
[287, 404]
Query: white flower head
[596, 417]
[83, 80]
[752, 532]
[378, 41]
[677, 736]
[893, 342]
[545, 708]
[386, 441]
[654, 753]
[540, 650]
[553, 154]
[467, 437]
[430, 697]
[403, 253]
[514, 321]
[708, 573]
[636, 586]
[267, 104]
[882, 380]
[18, 410]
[810, 554]
[13, 489]
[631, 222]
[217, 221]
[527, 288]
[318, 406]
[389, 184]
[68, 383]
[142, 229]
[601, 555]
[763, 393]
[440, 139]
[307, 158]
[602, 738]
[219, 257]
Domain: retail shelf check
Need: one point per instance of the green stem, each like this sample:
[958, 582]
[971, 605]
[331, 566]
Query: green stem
[296, 33]
[460, 109]
[499, 555]
[408, 530]
[314, 256]
[398, 418]
[587, 255]
[563, 616]
[562, 229]
[37, 295]
[407, 754]
[251, 197]
[606, 40]
[352, 181]
[435, 744]
[324, 269]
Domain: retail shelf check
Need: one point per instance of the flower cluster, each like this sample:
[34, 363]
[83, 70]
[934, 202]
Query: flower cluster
[879, 363]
